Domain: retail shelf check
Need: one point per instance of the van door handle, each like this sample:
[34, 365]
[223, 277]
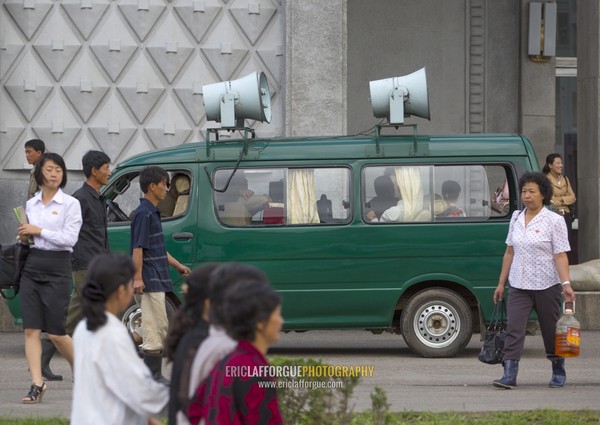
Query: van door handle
[185, 236]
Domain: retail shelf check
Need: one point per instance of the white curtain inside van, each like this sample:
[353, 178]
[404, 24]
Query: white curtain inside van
[302, 199]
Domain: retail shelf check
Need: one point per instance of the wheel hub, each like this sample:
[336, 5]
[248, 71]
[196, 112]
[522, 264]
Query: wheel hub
[134, 321]
[437, 325]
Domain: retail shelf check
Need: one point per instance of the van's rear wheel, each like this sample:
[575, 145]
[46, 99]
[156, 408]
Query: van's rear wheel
[436, 323]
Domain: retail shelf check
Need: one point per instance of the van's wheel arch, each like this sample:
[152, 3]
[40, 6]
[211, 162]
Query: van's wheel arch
[132, 316]
[436, 322]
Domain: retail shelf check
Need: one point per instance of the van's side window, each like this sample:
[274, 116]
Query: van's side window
[430, 193]
[394, 194]
[282, 196]
[468, 191]
[123, 196]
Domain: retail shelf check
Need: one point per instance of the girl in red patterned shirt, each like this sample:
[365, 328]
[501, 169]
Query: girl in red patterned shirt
[234, 392]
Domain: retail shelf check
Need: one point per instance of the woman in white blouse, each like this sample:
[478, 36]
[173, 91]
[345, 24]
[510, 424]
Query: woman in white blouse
[536, 266]
[54, 220]
[112, 384]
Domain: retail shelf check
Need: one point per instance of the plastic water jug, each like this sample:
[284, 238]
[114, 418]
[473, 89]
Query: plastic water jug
[568, 333]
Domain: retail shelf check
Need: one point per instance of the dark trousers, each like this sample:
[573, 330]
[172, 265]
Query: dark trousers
[74, 315]
[569, 223]
[547, 305]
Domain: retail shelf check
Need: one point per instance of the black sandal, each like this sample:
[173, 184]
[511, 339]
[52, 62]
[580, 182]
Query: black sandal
[35, 394]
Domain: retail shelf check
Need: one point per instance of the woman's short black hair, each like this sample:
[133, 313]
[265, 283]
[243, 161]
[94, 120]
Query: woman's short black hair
[542, 181]
[57, 159]
[550, 160]
[248, 303]
[190, 314]
[106, 273]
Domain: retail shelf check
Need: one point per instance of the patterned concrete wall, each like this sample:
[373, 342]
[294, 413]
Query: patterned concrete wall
[126, 76]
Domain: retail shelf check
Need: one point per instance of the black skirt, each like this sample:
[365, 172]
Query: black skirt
[46, 290]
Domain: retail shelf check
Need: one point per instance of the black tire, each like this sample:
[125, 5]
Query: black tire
[132, 317]
[436, 322]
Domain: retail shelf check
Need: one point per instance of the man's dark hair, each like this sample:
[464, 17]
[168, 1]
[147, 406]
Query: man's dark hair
[153, 174]
[384, 187]
[248, 303]
[57, 159]
[221, 279]
[36, 144]
[450, 190]
[542, 181]
[93, 159]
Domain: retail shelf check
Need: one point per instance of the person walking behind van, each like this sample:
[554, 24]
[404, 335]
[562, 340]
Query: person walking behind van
[253, 311]
[536, 266]
[563, 197]
[93, 236]
[151, 261]
[34, 149]
[54, 222]
[219, 343]
[112, 385]
[188, 327]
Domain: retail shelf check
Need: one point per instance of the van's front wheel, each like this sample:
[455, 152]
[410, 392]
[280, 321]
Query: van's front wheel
[132, 317]
[436, 323]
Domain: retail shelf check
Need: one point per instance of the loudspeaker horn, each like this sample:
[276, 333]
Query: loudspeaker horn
[399, 97]
[230, 102]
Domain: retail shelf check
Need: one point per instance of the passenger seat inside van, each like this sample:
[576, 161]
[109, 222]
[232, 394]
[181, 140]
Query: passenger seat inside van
[177, 199]
[182, 187]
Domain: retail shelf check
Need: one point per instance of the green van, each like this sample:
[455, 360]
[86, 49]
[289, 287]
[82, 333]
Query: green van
[397, 233]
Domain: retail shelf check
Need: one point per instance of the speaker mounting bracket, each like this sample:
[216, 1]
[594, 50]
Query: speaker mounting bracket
[247, 135]
[379, 127]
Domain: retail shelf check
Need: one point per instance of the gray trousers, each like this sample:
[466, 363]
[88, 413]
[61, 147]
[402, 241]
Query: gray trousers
[520, 304]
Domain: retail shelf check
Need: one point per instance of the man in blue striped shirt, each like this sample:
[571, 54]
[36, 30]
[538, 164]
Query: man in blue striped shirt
[152, 261]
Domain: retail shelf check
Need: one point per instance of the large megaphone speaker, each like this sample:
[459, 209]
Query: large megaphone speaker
[398, 97]
[230, 102]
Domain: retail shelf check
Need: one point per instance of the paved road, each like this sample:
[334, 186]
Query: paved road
[411, 383]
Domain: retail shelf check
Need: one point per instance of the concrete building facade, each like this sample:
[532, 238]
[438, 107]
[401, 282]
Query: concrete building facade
[126, 76]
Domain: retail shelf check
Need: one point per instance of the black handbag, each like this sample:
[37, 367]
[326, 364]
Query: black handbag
[493, 340]
[11, 264]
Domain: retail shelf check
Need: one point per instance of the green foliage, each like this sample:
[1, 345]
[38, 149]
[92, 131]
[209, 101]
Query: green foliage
[546, 417]
[380, 407]
[34, 421]
[308, 400]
